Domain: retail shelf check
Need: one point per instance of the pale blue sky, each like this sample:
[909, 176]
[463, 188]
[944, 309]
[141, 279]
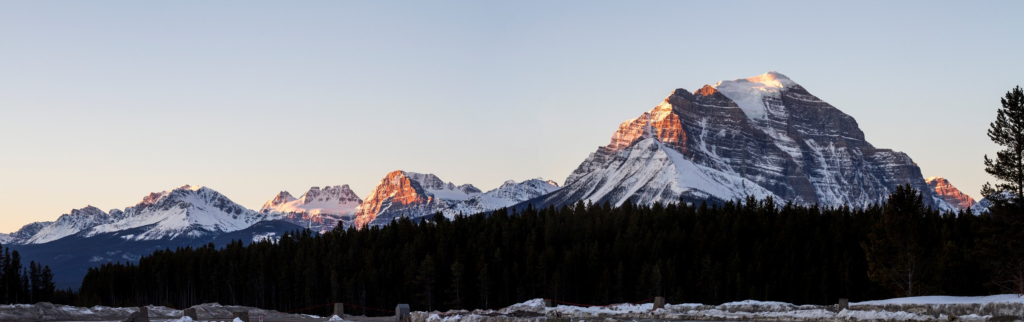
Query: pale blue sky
[103, 102]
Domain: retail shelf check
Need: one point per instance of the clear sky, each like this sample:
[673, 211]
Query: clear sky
[102, 102]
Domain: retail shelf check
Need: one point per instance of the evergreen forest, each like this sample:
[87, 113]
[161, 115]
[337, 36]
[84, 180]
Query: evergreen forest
[594, 254]
[26, 285]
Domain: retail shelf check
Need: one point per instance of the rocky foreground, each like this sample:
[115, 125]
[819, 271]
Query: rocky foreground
[1001, 308]
[52, 312]
[996, 308]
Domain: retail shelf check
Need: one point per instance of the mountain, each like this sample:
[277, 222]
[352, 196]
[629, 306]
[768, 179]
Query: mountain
[409, 194]
[69, 224]
[71, 257]
[24, 233]
[415, 195]
[949, 193]
[763, 136]
[317, 209]
[508, 194]
[185, 216]
[188, 211]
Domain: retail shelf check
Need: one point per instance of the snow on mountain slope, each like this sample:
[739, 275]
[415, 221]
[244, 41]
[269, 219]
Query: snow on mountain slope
[190, 211]
[983, 205]
[317, 209]
[69, 224]
[508, 194]
[765, 131]
[751, 93]
[442, 190]
[23, 234]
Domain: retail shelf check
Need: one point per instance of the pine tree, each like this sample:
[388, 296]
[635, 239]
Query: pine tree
[896, 258]
[35, 281]
[1008, 167]
[455, 291]
[426, 280]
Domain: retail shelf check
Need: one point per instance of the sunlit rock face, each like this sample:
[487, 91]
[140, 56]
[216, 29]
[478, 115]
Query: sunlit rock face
[415, 196]
[318, 209]
[761, 136]
[949, 193]
[410, 195]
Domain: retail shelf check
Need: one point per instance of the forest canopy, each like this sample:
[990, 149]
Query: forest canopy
[585, 253]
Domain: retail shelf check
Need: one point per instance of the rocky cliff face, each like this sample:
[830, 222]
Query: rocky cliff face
[415, 195]
[761, 136]
[949, 193]
[398, 195]
[318, 209]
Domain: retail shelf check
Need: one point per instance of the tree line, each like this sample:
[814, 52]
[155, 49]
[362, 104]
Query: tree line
[595, 254]
[27, 285]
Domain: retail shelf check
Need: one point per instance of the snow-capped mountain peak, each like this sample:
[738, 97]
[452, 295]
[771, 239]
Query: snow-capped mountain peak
[281, 198]
[448, 191]
[317, 209]
[415, 195]
[508, 194]
[762, 136]
[191, 211]
[750, 93]
[71, 223]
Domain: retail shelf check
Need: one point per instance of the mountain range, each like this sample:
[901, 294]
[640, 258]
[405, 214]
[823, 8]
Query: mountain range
[197, 215]
[764, 136]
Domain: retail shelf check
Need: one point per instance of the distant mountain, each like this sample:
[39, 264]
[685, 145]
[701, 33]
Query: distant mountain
[187, 211]
[414, 195]
[508, 194]
[983, 205]
[24, 233]
[185, 216]
[317, 209]
[764, 136]
[409, 194]
[71, 257]
[949, 193]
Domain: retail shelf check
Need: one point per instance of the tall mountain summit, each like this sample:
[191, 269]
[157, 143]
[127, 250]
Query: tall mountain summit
[760, 136]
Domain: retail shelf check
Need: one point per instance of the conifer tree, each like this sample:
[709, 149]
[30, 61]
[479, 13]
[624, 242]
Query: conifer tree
[1008, 166]
[896, 258]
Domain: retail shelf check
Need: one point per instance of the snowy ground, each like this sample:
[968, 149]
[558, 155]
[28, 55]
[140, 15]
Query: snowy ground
[912, 309]
[926, 308]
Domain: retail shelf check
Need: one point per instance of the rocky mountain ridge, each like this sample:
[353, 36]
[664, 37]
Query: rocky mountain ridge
[187, 211]
[414, 195]
[949, 193]
[317, 209]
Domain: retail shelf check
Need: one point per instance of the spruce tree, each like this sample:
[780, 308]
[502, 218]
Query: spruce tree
[896, 259]
[1008, 166]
